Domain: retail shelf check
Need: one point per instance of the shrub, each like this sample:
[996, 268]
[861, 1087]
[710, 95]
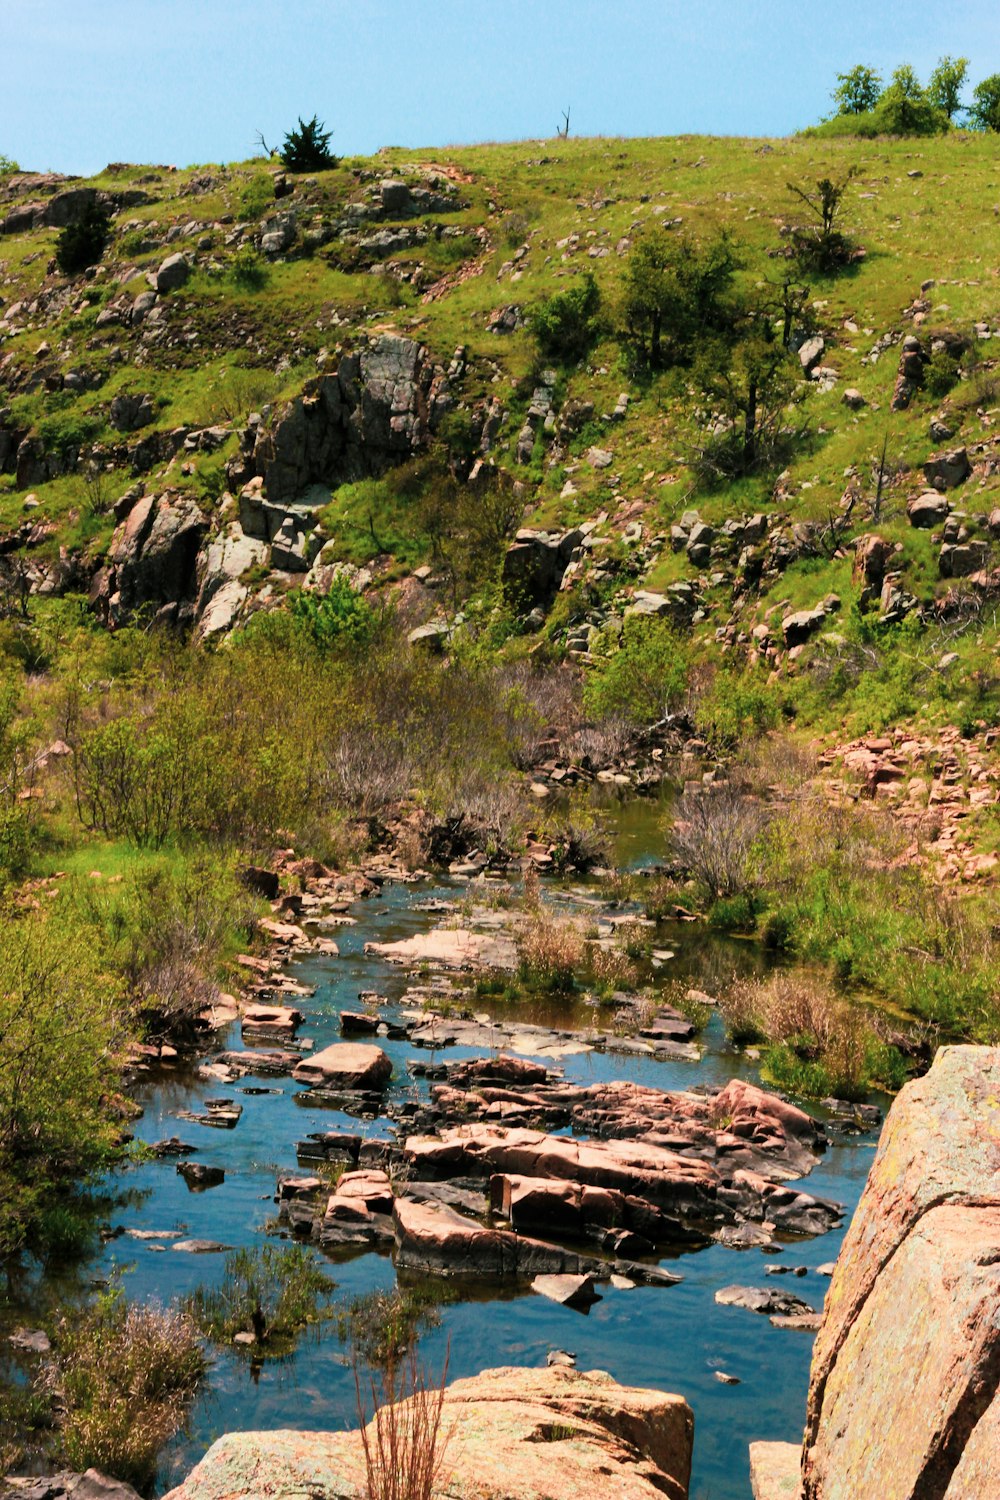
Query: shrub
[60, 1024]
[383, 1327]
[822, 246]
[640, 679]
[82, 243]
[270, 1291]
[736, 709]
[124, 1376]
[716, 837]
[307, 147]
[337, 619]
[257, 196]
[249, 270]
[8, 166]
[565, 324]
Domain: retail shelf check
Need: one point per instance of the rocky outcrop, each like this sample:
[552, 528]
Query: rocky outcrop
[513, 1435]
[536, 562]
[374, 412]
[903, 1398]
[152, 561]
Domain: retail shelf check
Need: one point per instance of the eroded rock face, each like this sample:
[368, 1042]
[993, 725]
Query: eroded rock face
[516, 1434]
[373, 413]
[903, 1399]
[152, 560]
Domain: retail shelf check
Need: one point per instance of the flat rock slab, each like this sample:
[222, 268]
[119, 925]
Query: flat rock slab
[346, 1065]
[556, 1432]
[760, 1299]
[572, 1291]
[450, 948]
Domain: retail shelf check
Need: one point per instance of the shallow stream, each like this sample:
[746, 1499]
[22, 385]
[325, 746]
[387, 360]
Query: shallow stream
[675, 1338]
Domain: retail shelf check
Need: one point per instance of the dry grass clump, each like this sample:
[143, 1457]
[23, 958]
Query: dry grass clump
[123, 1376]
[806, 1023]
[551, 951]
[612, 969]
[405, 1443]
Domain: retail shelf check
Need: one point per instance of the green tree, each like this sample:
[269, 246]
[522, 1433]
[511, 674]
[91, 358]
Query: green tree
[944, 88]
[674, 290]
[8, 166]
[83, 242]
[984, 112]
[858, 91]
[565, 324]
[307, 149]
[750, 386]
[905, 108]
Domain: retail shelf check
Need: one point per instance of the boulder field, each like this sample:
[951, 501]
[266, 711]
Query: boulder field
[509, 1434]
[904, 1396]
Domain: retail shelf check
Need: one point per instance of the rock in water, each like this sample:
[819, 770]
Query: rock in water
[572, 1291]
[346, 1065]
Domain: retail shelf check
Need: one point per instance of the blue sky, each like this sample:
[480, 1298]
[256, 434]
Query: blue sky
[182, 81]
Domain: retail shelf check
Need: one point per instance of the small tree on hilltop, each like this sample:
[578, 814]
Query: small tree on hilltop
[307, 149]
[858, 91]
[984, 113]
[944, 89]
[83, 242]
[906, 108]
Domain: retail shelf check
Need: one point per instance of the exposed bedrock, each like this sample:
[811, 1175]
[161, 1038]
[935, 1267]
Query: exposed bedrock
[514, 1435]
[903, 1398]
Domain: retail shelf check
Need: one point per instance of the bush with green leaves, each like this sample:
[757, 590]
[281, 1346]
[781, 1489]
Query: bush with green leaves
[249, 270]
[341, 619]
[8, 166]
[566, 324]
[641, 678]
[269, 1291]
[61, 1021]
[257, 196]
[675, 290]
[306, 148]
[82, 243]
[736, 709]
[383, 1327]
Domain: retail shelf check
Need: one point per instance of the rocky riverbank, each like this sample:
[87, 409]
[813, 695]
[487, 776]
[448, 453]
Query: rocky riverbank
[903, 1398]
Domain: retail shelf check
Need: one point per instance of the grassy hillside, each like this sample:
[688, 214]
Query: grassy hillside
[148, 758]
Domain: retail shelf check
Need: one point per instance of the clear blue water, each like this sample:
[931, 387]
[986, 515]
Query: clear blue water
[673, 1338]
